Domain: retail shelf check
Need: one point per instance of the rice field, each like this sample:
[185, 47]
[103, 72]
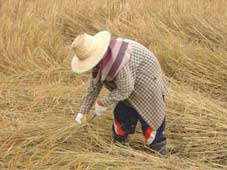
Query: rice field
[39, 94]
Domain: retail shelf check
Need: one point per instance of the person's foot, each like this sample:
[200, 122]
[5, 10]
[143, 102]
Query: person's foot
[121, 139]
[160, 147]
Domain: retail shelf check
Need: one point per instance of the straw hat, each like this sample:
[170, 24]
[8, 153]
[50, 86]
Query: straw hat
[89, 50]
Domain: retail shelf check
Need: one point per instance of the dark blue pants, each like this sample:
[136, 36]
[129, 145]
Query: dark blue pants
[125, 121]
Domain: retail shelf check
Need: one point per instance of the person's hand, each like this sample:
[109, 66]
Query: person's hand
[99, 108]
[79, 118]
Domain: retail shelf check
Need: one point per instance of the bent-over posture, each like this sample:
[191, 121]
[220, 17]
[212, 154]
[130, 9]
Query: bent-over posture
[135, 80]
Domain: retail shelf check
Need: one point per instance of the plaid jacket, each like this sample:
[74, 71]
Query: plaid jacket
[140, 82]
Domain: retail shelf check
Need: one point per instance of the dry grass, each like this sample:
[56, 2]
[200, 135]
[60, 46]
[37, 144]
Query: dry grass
[39, 94]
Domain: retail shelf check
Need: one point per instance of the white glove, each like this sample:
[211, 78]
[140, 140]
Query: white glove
[79, 118]
[99, 109]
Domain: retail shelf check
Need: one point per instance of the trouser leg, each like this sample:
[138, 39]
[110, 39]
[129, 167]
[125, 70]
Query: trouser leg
[155, 139]
[125, 120]
[150, 135]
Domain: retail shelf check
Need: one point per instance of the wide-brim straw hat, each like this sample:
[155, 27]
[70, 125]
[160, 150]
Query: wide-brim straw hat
[89, 50]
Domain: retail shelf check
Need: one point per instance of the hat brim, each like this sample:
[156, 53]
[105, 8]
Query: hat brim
[102, 39]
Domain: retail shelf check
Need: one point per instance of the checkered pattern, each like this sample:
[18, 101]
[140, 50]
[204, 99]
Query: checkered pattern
[141, 82]
[91, 95]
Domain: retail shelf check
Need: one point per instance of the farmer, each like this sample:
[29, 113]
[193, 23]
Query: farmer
[135, 80]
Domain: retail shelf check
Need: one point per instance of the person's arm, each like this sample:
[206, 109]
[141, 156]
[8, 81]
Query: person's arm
[125, 82]
[90, 97]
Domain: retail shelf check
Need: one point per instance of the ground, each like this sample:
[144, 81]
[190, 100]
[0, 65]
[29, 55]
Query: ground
[40, 95]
